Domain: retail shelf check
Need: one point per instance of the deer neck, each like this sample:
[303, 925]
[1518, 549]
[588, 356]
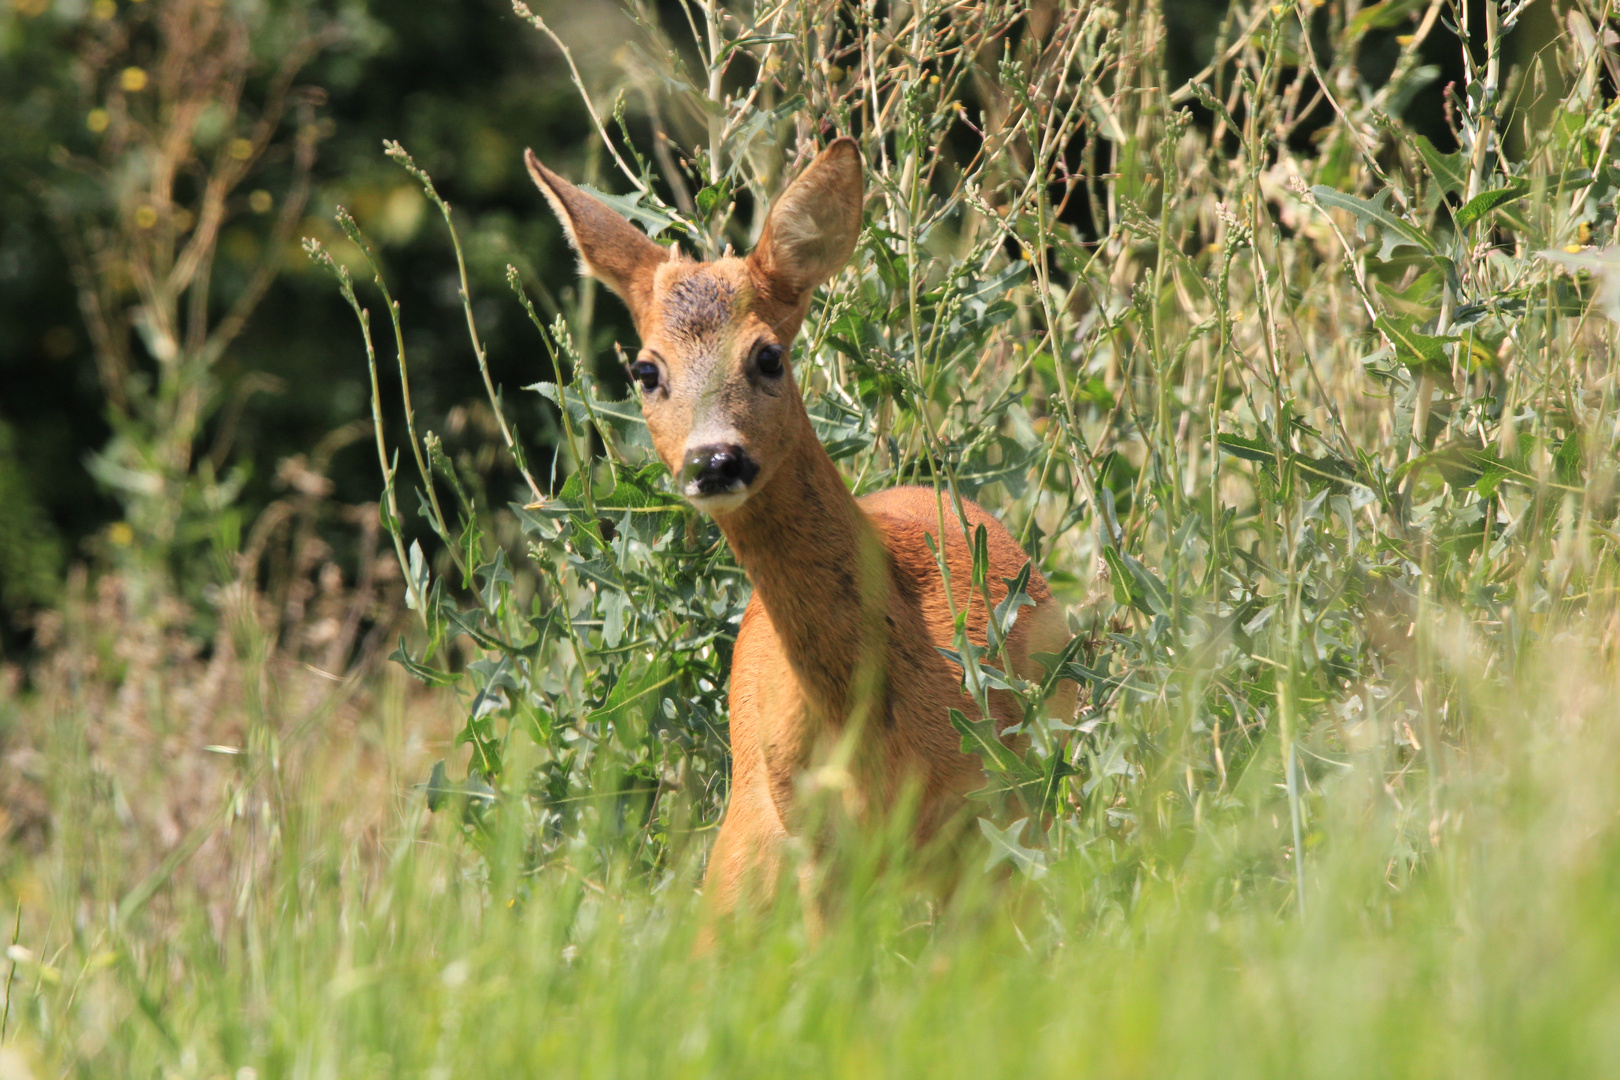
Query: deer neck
[819, 568]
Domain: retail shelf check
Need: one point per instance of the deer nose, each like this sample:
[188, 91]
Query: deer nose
[717, 470]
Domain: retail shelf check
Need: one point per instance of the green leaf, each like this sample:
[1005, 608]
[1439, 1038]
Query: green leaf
[416, 595]
[881, 246]
[980, 295]
[1382, 16]
[1095, 392]
[622, 418]
[1393, 231]
[1450, 171]
[428, 675]
[1013, 470]
[1110, 762]
[635, 692]
[713, 195]
[634, 493]
[1604, 268]
[1464, 465]
[1486, 201]
[494, 574]
[1057, 664]
[1120, 578]
[437, 786]
[470, 622]
[974, 670]
[655, 218]
[1423, 353]
[490, 699]
[981, 557]
[1248, 449]
[1135, 585]
[1006, 612]
[477, 789]
[1335, 472]
[980, 738]
[756, 39]
[1005, 847]
[1568, 460]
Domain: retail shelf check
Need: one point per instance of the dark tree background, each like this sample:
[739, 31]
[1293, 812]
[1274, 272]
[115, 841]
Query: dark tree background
[465, 87]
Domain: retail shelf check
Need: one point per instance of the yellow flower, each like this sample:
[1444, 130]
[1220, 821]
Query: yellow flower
[119, 534]
[133, 80]
[97, 121]
[1403, 40]
[241, 149]
[145, 217]
[260, 202]
[104, 9]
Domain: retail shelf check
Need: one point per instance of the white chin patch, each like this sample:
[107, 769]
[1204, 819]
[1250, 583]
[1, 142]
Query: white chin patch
[717, 504]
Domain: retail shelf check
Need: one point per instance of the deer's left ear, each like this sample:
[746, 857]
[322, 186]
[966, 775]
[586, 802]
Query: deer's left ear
[812, 228]
[614, 251]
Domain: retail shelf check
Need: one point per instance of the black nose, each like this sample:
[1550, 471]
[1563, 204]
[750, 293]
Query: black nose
[717, 470]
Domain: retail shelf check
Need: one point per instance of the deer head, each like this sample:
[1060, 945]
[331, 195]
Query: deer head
[714, 371]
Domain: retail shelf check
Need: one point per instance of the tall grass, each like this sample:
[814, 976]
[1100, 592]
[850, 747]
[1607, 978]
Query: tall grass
[1310, 423]
[1495, 961]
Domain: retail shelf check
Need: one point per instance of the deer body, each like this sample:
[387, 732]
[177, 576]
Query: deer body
[835, 668]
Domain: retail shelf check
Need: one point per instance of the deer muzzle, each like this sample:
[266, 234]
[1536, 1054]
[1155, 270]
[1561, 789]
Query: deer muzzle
[717, 477]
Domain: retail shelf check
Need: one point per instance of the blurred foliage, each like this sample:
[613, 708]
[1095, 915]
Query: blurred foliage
[30, 549]
[467, 92]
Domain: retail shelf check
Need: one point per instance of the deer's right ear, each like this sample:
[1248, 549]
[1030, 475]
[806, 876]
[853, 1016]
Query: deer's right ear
[612, 250]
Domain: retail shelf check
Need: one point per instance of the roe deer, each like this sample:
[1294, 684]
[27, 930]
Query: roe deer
[838, 640]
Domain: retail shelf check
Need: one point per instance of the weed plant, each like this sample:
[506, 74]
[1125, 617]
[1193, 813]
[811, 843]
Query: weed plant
[1311, 425]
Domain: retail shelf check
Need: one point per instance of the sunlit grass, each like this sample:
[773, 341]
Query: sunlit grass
[1494, 958]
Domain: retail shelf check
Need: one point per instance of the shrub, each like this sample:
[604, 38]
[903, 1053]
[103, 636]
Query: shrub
[170, 117]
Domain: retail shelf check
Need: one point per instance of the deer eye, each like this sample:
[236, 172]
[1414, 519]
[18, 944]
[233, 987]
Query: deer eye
[769, 359]
[647, 374]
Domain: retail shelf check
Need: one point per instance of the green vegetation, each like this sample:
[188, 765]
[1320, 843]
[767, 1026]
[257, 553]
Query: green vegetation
[1493, 961]
[1309, 419]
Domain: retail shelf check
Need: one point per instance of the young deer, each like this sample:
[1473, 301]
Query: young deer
[836, 657]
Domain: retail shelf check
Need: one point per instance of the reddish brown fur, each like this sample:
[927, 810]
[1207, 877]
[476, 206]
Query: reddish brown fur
[836, 655]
